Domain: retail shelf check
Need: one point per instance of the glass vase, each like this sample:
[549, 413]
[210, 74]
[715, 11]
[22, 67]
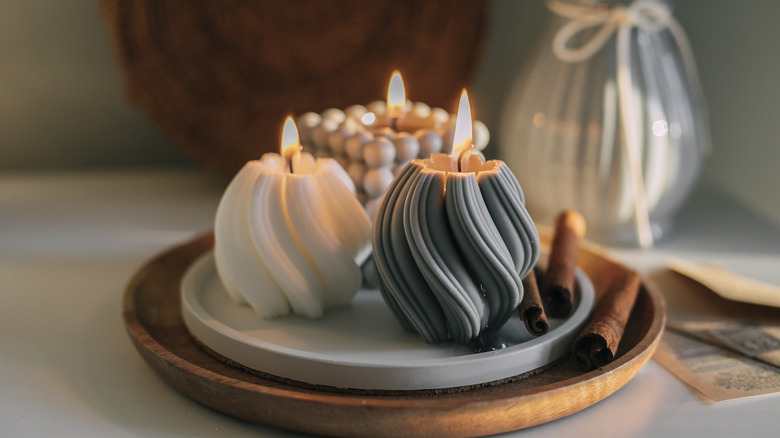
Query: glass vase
[607, 118]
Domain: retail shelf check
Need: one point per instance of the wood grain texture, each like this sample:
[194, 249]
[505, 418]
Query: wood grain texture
[219, 76]
[153, 321]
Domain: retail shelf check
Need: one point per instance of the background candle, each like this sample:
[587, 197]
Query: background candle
[358, 134]
[290, 234]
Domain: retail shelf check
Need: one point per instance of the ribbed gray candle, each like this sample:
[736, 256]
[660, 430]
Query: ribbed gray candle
[451, 248]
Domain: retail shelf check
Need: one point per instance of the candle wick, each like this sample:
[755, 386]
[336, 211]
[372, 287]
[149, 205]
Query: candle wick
[290, 163]
[394, 123]
[463, 154]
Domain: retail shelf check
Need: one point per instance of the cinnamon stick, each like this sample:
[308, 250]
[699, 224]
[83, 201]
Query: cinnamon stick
[531, 309]
[558, 284]
[598, 342]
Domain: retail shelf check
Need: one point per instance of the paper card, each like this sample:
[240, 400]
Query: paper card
[721, 348]
[749, 338]
[715, 372]
[727, 284]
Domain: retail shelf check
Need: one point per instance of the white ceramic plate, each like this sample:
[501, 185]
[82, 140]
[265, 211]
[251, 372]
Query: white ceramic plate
[362, 345]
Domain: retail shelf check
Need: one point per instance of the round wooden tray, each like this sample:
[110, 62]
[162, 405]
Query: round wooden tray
[152, 314]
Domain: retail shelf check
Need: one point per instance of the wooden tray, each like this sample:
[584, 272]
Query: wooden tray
[152, 314]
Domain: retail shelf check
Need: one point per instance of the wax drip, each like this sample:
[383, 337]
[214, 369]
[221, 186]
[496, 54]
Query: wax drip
[488, 340]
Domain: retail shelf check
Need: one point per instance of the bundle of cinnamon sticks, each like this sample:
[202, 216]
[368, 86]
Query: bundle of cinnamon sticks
[598, 342]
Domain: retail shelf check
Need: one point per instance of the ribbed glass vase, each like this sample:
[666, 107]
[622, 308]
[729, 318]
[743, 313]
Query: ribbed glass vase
[607, 119]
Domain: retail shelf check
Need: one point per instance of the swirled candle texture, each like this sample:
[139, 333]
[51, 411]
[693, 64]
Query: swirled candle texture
[291, 242]
[452, 247]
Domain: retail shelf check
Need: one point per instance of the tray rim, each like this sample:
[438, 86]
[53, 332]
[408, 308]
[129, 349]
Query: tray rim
[384, 415]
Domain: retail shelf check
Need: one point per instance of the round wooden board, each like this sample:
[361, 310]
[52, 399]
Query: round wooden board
[152, 314]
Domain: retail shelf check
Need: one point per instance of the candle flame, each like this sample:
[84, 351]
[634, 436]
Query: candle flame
[396, 96]
[291, 144]
[462, 140]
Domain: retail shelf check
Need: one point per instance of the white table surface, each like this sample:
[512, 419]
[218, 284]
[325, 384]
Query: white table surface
[69, 243]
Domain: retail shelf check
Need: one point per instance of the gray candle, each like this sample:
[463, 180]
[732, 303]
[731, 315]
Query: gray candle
[451, 247]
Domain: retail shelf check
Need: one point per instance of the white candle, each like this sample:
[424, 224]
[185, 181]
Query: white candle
[290, 233]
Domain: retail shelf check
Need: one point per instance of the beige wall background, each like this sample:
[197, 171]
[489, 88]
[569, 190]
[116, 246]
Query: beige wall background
[61, 103]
